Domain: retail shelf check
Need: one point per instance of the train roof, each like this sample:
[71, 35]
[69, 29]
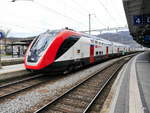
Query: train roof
[120, 44]
[98, 38]
[105, 41]
[91, 37]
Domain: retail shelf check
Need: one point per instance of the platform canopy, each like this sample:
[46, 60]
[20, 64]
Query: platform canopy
[138, 18]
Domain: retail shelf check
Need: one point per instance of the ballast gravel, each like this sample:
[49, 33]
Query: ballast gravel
[24, 102]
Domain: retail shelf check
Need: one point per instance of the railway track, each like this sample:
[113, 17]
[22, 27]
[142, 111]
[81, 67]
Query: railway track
[11, 88]
[80, 98]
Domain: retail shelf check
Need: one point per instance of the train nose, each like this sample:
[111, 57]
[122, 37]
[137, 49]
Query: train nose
[33, 56]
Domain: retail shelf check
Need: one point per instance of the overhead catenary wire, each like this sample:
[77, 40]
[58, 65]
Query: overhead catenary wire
[98, 20]
[101, 22]
[11, 25]
[80, 13]
[116, 11]
[84, 12]
[58, 13]
[80, 6]
[107, 11]
[54, 11]
[25, 27]
[88, 12]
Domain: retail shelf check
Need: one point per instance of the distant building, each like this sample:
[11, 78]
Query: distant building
[15, 46]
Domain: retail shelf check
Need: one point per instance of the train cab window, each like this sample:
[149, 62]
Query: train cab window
[43, 40]
[66, 45]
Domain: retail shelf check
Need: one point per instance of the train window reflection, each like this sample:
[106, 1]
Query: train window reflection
[43, 40]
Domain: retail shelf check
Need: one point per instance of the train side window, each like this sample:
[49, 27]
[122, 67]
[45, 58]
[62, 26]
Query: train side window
[78, 51]
[66, 45]
[96, 52]
[96, 42]
[100, 52]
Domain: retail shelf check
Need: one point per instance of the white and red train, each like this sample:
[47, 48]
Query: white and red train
[60, 50]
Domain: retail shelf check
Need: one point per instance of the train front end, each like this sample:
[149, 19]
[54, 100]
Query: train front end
[37, 56]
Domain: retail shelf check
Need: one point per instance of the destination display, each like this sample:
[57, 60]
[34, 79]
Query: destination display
[141, 19]
[147, 38]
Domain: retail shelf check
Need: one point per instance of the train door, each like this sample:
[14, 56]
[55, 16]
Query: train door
[112, 50]
[91, 53]
[106, 50]
[118, 51]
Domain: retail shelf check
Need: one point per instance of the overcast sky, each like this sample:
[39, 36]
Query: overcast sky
[39, 15]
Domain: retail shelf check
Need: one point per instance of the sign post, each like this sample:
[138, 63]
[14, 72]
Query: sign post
[1, 36]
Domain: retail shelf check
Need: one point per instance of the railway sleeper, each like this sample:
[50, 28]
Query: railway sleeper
[74, 102]
[65, 108]
[80, 97]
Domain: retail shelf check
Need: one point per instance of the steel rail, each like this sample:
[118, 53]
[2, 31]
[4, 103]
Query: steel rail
[19, 81]
[102, 88]
[24, 88]
[43, 108]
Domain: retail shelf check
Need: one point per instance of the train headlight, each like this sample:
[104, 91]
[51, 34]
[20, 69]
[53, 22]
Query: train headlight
[32, 59]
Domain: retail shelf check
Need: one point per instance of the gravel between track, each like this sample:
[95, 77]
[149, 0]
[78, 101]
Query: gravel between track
[24, 102]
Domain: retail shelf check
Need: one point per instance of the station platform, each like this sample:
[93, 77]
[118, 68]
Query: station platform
[12, 68]
[132, 92]
[7, 60]
[3, 58]
[11, 71]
